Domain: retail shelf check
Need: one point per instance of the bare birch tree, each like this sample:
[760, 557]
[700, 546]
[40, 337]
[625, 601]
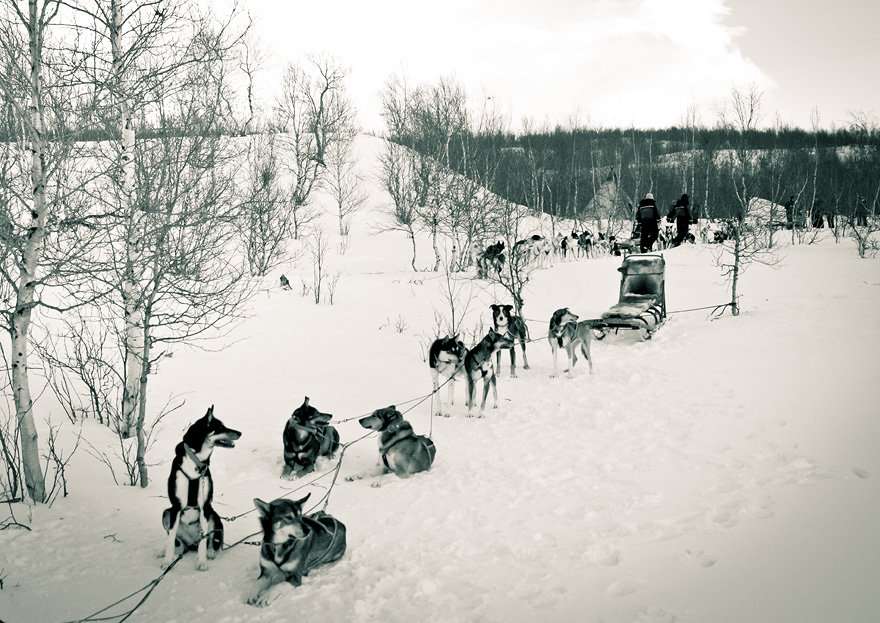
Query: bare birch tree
[45, 226]
[172, 198]
[136, 53]
[747, 242]
[314, 113]
[266, 221]
[397, 176]
[344, 185]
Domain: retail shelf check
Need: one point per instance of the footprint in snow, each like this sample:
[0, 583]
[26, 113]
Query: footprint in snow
[604, 555]
[701, 558]
[621, 588]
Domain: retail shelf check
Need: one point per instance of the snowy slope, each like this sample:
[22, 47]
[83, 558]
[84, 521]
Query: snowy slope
[723, 471]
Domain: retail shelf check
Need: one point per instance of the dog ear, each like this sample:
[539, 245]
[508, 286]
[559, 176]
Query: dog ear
[302, 501]
[262, 507]
[493, 307]
[509, 308]
[210, 413]
[305, 401]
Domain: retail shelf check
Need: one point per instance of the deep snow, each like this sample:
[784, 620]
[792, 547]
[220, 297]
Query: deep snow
[724, 471]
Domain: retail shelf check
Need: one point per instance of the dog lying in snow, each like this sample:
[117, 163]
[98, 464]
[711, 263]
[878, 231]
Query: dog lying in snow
[403, 452]
[504, 321]
[478, 365]
[191, 522]
[293, 544]
[446, 358]
[566, 332]
[307, 435]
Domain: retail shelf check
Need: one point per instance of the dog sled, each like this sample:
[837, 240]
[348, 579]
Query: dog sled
[641, 305]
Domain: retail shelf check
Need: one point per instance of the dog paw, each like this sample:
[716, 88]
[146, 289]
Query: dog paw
[260, 599]
[375, 484]
[212, 554]
[202, 566]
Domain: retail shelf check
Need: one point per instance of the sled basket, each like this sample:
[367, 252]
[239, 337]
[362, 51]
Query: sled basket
[642, 300]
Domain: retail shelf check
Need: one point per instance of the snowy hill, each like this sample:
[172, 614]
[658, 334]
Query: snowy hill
[724, 471]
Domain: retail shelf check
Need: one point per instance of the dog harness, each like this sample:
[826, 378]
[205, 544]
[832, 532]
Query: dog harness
[192, 491]
[312, 523]
[426, 443]
[560, 333]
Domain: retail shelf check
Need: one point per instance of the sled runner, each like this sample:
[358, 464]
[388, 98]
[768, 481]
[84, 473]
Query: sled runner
[642, 301]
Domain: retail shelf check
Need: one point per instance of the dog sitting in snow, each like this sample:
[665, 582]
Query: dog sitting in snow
[504, 321]
[446, 358]
[566, 332]
[403, 452]
[478, 365]
[307, 435]
[293, 544]
[192, 522]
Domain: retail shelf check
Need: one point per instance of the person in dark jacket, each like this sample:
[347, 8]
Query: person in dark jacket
[648, 217]
[789, 213]
[681, 214]
[818, 212]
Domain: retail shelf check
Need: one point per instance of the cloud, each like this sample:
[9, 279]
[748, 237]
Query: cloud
[614, 61]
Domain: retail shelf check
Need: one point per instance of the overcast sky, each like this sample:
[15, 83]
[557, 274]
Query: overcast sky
[608, 62]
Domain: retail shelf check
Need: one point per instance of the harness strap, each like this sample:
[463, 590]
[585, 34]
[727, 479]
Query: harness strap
[192, 490]
[426, 442]
[201, 466]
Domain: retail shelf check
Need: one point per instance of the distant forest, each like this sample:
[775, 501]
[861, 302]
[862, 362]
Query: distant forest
[560, 171]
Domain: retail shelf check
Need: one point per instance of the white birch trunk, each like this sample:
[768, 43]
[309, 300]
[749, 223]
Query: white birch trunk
[131, 294]
[33, 251]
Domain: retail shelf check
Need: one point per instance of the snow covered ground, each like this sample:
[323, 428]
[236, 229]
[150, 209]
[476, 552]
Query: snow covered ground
[726, 470]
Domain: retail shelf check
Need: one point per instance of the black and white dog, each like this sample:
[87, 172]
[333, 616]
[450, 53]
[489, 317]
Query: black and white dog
[504, 321]
[307, 435]
[566, 332]
[293, 544]
[191, 522]
[403, 452]
[478, 365]
[446, 359]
